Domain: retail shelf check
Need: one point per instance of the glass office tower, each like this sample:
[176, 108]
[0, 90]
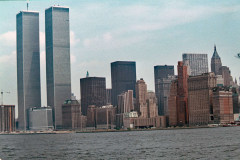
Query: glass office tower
[28, 64]
[57, 59]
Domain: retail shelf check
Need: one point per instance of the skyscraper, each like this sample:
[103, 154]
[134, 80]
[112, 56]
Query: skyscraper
[57, 59]
[141, 98]
[216, 63]
[123, 74]
[226, 74]
[28, 64]
[197, 63]
[93, 92]
[163, 76]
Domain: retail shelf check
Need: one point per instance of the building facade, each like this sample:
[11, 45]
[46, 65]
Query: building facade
[163, 75]
[197, 63]
[7, 118]
[125, 102]
[101, 117]
[216, 63]
[141, 98]
[199, 98]
[28, 64]
[123, 75]
[93, 92]
[40, 119]
[57, 59]
[109, 96]
[222, 106]
[226, 74]
[72, 116]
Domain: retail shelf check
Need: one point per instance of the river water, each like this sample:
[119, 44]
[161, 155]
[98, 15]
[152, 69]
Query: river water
[204, 143]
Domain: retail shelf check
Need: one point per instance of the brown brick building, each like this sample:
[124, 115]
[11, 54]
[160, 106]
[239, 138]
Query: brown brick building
[7, 118]
[101, 117]
[71, 115]
[172, 104]
[222, 106]
[199, 98]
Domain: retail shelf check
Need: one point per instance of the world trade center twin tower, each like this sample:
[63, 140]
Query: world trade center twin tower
[58, 71]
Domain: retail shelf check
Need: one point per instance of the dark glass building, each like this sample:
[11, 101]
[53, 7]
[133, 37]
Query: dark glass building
[163, 76]
[123, 74]
[28, 64]
[93, 92]
[57, 59]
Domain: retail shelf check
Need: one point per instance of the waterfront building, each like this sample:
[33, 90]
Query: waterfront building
[7, 118]
[222, 106]
[72, 116]
[199, 98]
[93, 92]
[57, 59]
[172, 105]
[178, 106]
[197, 63]
[163, 75]
[123, 75]
[216, 63]
[28, 64]
[103, 117]
[40, 119]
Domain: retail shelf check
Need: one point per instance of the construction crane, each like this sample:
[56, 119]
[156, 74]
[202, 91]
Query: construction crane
[2, 96]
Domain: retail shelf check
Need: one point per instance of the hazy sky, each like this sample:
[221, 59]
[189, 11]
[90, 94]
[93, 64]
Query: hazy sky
[149, 32]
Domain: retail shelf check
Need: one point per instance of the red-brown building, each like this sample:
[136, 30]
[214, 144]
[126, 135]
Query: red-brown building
[222, 106]
[7, 118]
[71, 115]
[101, 117]
[200, 98]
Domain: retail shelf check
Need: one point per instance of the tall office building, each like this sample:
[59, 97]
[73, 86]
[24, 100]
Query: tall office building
[57, 59]
[226, 74]
[123, 74]
[197, 63]
[216, 63]
[28, 64]
[163, 76]
[93, 92]
[141, 98]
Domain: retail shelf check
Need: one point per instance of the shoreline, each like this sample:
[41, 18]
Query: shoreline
[105, 130]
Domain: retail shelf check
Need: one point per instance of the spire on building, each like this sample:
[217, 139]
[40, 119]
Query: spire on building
[87, 75]
[215, 53]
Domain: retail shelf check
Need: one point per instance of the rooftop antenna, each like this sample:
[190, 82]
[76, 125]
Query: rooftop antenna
[27, 4]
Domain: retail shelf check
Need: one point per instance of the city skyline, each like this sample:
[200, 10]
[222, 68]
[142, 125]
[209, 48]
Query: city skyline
[95, 51]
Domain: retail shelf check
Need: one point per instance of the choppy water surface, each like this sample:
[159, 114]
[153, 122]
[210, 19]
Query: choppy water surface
[205, 143]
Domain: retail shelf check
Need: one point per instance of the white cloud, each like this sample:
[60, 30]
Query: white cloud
[8, 58]
[73, 39]
[73, 58]
[8, 38]
[107, 36]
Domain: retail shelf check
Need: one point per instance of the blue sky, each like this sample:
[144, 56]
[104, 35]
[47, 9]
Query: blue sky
[149, 32]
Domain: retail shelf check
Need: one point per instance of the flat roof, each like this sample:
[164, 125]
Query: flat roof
[29, 11]
[57, 7]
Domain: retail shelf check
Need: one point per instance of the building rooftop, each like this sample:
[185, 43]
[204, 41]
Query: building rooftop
[57, 6]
